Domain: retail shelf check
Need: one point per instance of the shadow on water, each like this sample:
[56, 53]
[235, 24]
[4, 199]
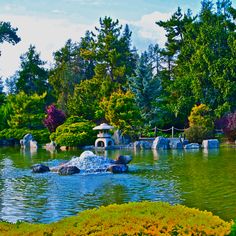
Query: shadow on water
[197, 178]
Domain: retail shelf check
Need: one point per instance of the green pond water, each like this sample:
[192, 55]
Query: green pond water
[200, 179]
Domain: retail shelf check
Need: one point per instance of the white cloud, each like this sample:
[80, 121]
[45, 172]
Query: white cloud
[147, 29]
[57, 11]
[48, 35]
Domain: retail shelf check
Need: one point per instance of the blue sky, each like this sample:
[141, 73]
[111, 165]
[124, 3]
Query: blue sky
[47, 24]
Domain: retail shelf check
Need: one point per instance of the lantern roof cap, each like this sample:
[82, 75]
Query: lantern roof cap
[103, 126]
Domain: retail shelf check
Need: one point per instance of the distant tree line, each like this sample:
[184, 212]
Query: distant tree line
[103, 78]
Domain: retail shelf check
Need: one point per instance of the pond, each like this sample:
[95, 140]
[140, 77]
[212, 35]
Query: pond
[200, 179]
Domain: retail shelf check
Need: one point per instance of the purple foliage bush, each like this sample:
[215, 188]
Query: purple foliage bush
[55, 117]
[228, 124]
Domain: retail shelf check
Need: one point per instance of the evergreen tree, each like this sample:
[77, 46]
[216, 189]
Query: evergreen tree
[10, 84]
[2, 94]
[69, 70]
[146, 86]
[8, 34]
[110, 48]
[203, 70]
[32, 77]
[175, 28]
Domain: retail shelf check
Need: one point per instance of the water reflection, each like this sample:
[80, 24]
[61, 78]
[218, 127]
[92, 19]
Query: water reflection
[210, 152]
[28, 152]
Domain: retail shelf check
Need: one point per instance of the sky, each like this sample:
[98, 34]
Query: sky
[48, 24]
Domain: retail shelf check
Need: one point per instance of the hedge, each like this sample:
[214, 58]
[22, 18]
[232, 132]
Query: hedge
[144, 218]
[41, 136]
[74, 132]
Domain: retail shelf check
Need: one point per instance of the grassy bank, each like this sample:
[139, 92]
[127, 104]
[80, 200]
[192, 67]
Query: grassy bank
[145, 218]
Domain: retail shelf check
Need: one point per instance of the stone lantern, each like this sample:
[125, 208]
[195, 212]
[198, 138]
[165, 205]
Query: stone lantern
[104, 139]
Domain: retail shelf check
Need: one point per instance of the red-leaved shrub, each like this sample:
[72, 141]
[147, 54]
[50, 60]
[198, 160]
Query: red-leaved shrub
[55, 117]
[228, 124]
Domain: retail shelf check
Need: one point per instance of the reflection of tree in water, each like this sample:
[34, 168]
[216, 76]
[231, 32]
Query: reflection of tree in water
[116, 193]
[205, 180]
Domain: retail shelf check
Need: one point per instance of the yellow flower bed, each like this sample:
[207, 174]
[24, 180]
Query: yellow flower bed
[144, 218]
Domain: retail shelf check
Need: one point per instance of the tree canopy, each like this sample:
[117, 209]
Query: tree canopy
[103, 78]
[32, 77]
[8, 33]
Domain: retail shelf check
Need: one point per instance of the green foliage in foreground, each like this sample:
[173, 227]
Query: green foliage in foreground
[74, 132]
[145, 218]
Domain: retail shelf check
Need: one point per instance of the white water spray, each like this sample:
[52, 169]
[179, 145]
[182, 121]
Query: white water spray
[88, 162]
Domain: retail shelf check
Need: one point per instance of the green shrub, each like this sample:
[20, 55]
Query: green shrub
[41, 136]
[13, 133]
[75, 131]
[144, 218]
[201, 124]
[201, 116]
[196, 134]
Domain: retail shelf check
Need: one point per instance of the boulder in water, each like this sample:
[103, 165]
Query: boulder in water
[118, 168]
[192, 146]
[28, 142]
[68, 170]
[176, 143]
[126, 159]
[39, 168]
[142, 145]
[161, 143]
[210, 143]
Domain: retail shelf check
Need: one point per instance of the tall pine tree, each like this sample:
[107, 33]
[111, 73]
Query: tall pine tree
[32, 76]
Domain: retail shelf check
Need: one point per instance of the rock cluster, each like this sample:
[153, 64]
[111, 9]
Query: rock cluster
[161, 143]
[87, 162]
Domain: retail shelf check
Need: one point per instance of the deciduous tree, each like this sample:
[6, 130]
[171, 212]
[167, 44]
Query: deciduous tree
[27, 111]
[122, 112]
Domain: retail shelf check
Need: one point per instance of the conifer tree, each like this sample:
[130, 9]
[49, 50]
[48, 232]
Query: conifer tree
[146, 86]
[32, 77]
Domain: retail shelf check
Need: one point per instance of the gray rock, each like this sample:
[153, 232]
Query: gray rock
[28, 142]
[161, 143]
[68, 170]
[120, 139]
[210, 143]
[185, 142]
[142, 145]
[123, 160]
[51, 146]
[118, 168]
[137, 144]
[39, 168]
[176, 143]
[192, 146]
